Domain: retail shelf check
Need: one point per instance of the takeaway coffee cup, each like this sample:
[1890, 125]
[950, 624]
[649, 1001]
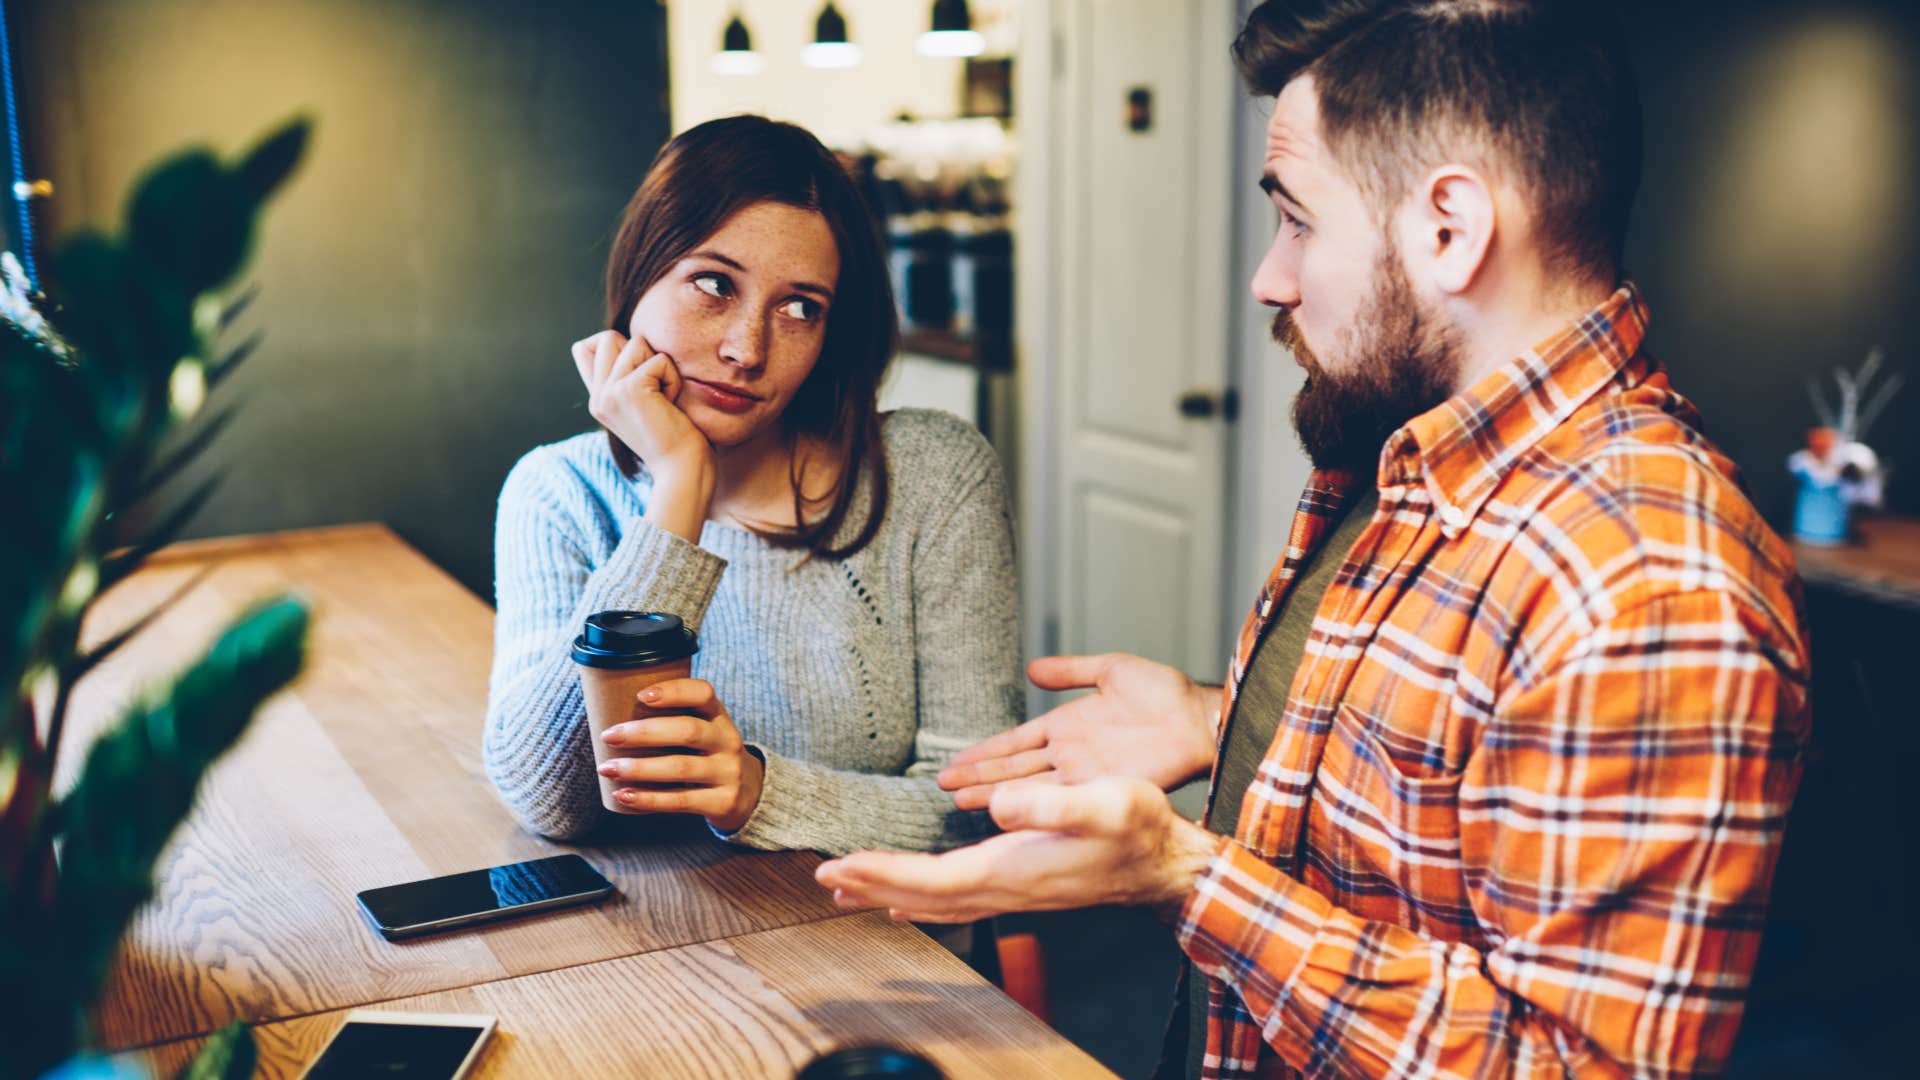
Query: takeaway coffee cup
[621, 653]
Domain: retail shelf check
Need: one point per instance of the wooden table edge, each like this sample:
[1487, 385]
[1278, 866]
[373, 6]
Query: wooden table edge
[246, 543]
[154, 1044]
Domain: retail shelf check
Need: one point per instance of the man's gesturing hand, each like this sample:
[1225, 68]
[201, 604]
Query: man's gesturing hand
[1113, 841]
[1143, 720]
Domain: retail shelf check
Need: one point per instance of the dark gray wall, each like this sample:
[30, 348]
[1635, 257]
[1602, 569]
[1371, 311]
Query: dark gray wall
[425, 271]
[1778, 229]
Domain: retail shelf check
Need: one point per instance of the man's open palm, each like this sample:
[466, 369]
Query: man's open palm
[1143, 719]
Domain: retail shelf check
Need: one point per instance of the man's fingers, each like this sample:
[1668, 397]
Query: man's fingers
[696, 695]
[928, 875]
[981, 797]
[1055, 807]
[1031, 735]
[1068, 672]
[962, 915]
[957, 886]
[996, 770]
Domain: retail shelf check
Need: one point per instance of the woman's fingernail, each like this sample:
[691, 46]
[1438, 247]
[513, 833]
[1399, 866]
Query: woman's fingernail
[609, 769]
[651, 693]
[628, 797]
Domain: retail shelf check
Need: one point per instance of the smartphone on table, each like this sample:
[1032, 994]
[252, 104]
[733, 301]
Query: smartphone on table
[478, 896]
[402, 1046]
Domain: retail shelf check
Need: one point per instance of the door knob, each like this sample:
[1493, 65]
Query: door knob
[1206, 404]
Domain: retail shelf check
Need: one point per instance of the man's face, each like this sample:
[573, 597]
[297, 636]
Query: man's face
[1376, 355]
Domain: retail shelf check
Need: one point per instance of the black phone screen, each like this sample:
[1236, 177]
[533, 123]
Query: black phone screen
[478, 892]
[412, 1051]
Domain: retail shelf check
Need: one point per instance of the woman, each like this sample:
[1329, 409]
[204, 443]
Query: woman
[850, 574]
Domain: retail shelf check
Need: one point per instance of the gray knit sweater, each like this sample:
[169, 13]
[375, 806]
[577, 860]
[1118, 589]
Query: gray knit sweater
[855, 680]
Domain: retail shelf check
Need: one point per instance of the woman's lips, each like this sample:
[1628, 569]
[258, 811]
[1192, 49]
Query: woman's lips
[726, 399]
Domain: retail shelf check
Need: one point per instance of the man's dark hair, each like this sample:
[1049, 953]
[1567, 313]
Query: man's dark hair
[1538, 91]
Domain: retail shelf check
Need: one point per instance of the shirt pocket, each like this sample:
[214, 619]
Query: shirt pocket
[1388, 840]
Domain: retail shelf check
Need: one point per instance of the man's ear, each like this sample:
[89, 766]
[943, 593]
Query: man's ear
[1452, 219]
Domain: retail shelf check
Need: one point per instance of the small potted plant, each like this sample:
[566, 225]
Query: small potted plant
[1838, 471]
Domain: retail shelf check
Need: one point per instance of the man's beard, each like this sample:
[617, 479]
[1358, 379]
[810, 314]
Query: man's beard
[1403, 363]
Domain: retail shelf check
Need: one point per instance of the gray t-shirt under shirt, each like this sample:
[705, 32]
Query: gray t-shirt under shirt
[1256, 713]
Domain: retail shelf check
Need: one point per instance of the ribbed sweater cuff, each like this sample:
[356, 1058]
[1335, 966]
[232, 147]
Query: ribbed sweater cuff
[776, 820]
[658, 570]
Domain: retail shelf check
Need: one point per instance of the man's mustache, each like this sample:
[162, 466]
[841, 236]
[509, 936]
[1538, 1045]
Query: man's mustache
[1286, 334]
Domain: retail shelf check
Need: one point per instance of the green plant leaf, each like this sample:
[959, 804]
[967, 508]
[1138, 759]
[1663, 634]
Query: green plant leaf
[192, 219]
[228, 1054]
[116, 567]
[91, 660]
[152, 762]
[184, 455]
[95, 281]
[219, 372]
[79, 439]
[269, 163]
[238, 306]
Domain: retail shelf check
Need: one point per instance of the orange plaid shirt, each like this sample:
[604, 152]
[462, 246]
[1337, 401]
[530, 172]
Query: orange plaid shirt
[1523, 808]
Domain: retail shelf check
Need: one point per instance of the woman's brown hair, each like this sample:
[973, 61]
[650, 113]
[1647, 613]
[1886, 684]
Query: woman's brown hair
[699, 180]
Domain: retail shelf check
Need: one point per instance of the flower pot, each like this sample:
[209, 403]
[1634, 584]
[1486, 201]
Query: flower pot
[1820, 513]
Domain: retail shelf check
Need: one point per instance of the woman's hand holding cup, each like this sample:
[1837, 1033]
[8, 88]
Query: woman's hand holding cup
[712, 773]
[632, 391]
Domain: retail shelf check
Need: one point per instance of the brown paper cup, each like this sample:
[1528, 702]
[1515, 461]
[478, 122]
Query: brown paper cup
[613, 697]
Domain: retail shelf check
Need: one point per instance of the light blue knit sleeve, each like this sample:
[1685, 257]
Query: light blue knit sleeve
[555, 563]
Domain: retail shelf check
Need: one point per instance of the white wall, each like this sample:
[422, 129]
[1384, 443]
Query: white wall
[837, 105]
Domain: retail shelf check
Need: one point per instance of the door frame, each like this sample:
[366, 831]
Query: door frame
[1037, 331]
[1036, 327]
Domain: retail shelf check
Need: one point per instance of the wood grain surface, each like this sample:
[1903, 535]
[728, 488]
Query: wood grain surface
[1881, 563]
[368, 772]
[755, 1005]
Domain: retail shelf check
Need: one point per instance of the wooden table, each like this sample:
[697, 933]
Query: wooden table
[1883, 562]
[710, 960]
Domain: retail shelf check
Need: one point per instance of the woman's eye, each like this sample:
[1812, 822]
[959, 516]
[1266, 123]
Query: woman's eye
[801, 308]
[713, 285]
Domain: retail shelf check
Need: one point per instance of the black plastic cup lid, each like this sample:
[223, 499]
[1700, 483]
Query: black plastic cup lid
[853, 1062]
[633, 639]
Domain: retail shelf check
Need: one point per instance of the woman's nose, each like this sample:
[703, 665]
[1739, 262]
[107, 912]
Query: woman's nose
[745, 343]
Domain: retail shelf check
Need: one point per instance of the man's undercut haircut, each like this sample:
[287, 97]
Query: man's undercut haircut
[1537, 93]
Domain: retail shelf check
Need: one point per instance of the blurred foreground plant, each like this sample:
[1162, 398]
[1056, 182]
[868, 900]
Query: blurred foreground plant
[101, 382]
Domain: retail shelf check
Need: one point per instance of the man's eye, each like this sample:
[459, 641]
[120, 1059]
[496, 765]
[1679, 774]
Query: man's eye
[713, 284]
[801, 308]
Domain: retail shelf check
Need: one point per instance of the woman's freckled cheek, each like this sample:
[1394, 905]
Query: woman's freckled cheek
[681, 332]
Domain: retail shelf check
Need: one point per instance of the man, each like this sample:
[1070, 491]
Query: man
[1507, 746]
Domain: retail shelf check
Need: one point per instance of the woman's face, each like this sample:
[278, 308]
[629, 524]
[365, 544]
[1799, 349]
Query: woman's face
[743, 316]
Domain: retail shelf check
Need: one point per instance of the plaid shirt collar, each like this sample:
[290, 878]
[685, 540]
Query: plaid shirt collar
[1461, 449]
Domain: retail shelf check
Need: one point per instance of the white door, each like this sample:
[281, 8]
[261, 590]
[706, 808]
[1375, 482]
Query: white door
[1127, 497]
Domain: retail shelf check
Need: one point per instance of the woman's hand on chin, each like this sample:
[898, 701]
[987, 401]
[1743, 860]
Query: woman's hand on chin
[709, 772]
[632, 391]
